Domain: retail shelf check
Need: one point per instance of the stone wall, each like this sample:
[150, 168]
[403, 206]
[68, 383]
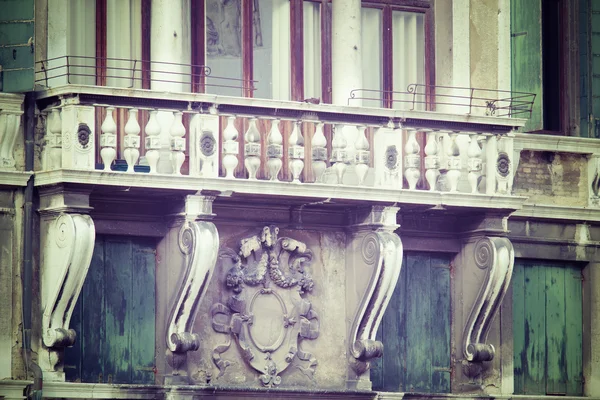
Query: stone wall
[552, 178]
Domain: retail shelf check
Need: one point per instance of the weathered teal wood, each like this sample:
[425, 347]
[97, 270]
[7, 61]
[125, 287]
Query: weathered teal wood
[118, 277]
[72, 364]
[16, 45]
[418, 321]
[93, 330]
[526, 54]
[574, 324]
[520, 356]
[143, 313]
[440, 324]
[547, 313]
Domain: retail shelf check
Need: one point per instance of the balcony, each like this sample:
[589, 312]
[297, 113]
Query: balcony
[460, 155]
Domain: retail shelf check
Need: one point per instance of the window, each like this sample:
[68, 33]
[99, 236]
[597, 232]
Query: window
[547, 326]
[589, 62]
[402, 54]
[415, 329]
[114, 316]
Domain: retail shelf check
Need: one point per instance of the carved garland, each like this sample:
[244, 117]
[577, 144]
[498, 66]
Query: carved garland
[496, 255]
[271, 271]
[384, 250]
[69, 247]
[199, 242]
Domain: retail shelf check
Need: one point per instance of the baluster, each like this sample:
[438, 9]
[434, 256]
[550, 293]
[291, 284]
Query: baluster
[132, 140]
[177, 132]
[412, 160]
[296, 152]
[153, 143]
[108, 139]
[252, 149]
[274, 151]
[319, 152]
[432, 161]
[454, 163]
[55, 139]
[362, 154]
[230, 148]
[474, 162]
[338, 152]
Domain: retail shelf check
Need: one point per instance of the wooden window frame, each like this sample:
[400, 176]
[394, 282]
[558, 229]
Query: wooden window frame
[424, 7]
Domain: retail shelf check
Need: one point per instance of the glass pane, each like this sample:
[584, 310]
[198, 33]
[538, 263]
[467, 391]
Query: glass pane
[124, 43]
[409, 57]
[271, 43]
[371, 56]
[224, 47]
[312, 50]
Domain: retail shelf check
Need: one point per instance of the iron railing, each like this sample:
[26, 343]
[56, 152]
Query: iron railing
[501, 103]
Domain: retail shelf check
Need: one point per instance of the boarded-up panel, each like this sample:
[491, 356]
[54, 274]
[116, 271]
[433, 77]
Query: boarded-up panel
[415, 329]
[16, 45]
[116, 311]
[526, 54]
[547, 327]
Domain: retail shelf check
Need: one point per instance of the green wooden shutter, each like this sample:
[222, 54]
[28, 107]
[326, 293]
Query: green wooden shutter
[547, 314]
[526, 55]
[16, 45]
[589, 53]
[415, 329]
[115, 315]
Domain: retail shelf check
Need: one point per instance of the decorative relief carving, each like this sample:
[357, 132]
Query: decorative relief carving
[199, 242]
[503, 164]
[383, 249]
[10, 124]
[67, 252]
[83, 136]
[496, 255]
[267, 315]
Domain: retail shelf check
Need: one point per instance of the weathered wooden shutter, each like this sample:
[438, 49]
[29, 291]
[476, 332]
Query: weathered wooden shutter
[526, 55]
[416, 329]
[16, 45]
[589, 53]
[115, 315]
[547, 326]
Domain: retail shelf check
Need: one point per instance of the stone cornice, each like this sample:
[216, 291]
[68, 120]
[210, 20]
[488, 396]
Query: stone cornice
[310, 193]
[12, 103]
[14, 178]
[540, 211]
[567, 144]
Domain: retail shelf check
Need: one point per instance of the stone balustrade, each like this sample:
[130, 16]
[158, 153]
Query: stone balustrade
[210, 143]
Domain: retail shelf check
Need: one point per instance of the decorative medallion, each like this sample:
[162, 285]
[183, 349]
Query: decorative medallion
[83, 135]
[391, 157]
[207, 143]
[503, 164]
[267, 314]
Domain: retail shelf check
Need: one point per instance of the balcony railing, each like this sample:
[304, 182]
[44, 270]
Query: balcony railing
[207, 136]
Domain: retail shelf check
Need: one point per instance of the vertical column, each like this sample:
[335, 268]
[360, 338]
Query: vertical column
[171, 57]
[346, 49]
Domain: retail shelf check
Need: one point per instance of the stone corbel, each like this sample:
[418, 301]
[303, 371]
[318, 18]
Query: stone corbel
[381, 257]
[496, 256]
[10, 122]
[198, 241]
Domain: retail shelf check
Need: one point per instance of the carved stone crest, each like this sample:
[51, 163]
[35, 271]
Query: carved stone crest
[207, 143]
[267, 314]
[83, 135]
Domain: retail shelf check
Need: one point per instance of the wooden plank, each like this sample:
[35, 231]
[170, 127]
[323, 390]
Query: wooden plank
[574, 327]
[142, 310]
[534, 381]
[93, 325]
[555, 330]
[394, 335]
[297, 47]
[418, 351]
[520, 354]
[118, 269]
[440, 324]
[526, 51]
[72, 360]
